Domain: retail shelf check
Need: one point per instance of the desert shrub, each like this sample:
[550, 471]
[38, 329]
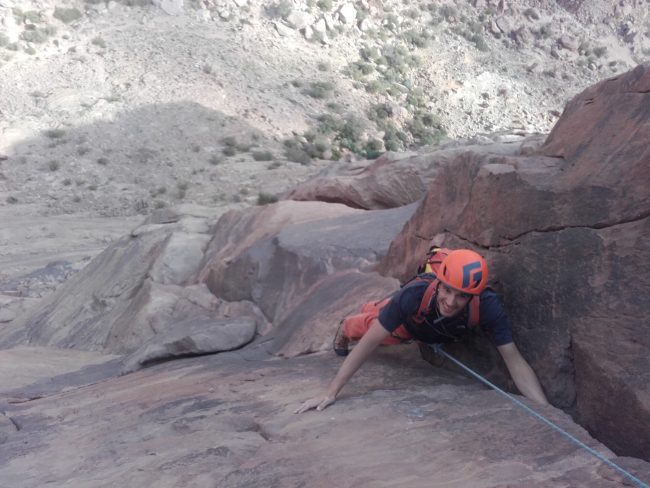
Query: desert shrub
[274, 165]
[373, 148]
[425, 128]
[262, 155]
[531, 13]
[279, 10]
[335, 106]
[53, 165]
[30, 50]
[102, 161]
[370, 53]
[319, 89]
[475, 27]
[376, 86]
[99, 42]
[55, 133]
[415, 37]
[479, 42]
[359, 69]
[325, 5]
[11, 200]
[229, 151]
[215, 159]
[297, 155]
[266, 198]
[545, 31]
[323, 66]
[380, 111]
[394, 139]
[600, 51]
[66, 15]
[4, 40]
[416, 98]
[32, 16]
[38, 36]
[449, 12]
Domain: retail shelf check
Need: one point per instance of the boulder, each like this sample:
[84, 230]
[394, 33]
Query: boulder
[394, 180]
[274, 257]
[347, 13]
[193, 337]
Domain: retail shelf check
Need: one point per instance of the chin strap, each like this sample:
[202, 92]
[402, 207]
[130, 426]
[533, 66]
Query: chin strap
[437, 348]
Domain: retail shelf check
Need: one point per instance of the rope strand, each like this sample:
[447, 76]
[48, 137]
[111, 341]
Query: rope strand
[438, 350]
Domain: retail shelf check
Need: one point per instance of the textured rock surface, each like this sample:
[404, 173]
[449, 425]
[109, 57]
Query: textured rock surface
[567, 233]
[227, 421]
[394, 180]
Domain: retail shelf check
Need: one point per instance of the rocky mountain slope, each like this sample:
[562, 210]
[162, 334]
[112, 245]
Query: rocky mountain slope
[117, 108]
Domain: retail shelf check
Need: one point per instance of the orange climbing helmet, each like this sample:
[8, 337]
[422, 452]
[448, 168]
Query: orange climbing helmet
[464, 270]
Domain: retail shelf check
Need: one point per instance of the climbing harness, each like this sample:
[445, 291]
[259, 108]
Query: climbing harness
[438, 350]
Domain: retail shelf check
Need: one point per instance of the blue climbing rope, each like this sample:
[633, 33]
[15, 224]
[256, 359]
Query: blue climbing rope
[438, 350]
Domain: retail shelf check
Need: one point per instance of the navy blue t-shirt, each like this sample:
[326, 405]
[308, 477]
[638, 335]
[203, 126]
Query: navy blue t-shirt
[405, 303]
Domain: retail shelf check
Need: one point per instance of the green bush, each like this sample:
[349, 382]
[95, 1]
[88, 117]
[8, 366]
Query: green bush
[38, 36]
[319, 89]
[32, 16]
[373, 148]
[531, 13]
[297, 155]
[280, 9]
[380, 111]
[449, 12]
[376, 86]
[55, 133]
[600, 51]
[480, 43]
[415, 37]
[66, 15]
[325, 5]
[215, 159]
[425, 128]
[266, 198]
[262, 155]
[98, 41]
[394, 139]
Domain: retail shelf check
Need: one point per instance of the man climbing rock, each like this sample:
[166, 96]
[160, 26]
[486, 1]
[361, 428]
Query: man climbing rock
[438, 306]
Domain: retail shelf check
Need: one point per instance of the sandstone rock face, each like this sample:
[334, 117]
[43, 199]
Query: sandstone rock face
[566, 232]
[395, 180]
[192, 338]
[227, 420]
[275, 257]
